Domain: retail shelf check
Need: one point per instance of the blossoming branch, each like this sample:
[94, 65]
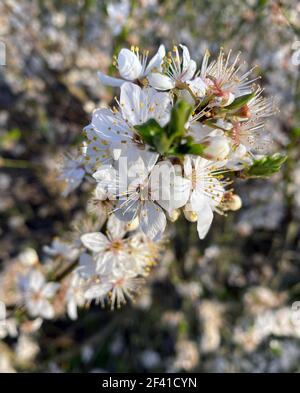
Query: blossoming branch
[174, 141]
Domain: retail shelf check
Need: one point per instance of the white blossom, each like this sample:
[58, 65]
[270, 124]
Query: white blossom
[177, 71]
[136, 106]
[38, 294]
[147, 195]
[118, 14]
[75, 295]
[110, 250]
[71, 173]
[132, 66]
[206, 190]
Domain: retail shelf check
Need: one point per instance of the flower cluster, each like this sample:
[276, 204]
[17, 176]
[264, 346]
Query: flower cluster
[108, 265]
[115, 270]
[175, 138]
[173, 143]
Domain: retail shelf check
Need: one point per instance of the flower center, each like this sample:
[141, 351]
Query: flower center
[37, 296]
[194, 178]
[119, 282]
[116, 246]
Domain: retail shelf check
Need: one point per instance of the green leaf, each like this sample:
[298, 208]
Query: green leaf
[148, 130]
[188, 148]
[265, 166]
[154, 135]
[161, 139]
[295, 132]
[10, 138]
[179, 116]
[239, 102]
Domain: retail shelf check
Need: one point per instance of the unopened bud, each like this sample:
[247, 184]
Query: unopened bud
[217, 148]
[190, 215]
[244, 112]
[174, 215]
[29, 257]
[232, 202]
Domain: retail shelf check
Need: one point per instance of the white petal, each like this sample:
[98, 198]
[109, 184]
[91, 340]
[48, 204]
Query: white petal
[148, 158]
[187, 166]
[97, 291]
[130, 67]
[87, 266]
[46, 310]
[32, 307]
[173, 191]
[186, 96]
[109, 180]
[50, 289]
[127, 210]
[11, 327]
[186, 58]
[198, 87]
[152, 220]
[116, 227]
[95, 241]
[204, 222]
[72, 310]
[156, 60]
[111, 262]
[2, 311]
[105, 174]
[139, 105]
[36, 280]
[198, 131]
[160, 181]
[189, 71]
[159, 106]
[197, 200]
[110, 126]
[180, 192]
[109, 80]
[131, 99]
[200, 204]
[160, 81]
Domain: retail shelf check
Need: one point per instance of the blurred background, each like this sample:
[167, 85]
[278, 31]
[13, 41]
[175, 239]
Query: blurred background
[220, 305]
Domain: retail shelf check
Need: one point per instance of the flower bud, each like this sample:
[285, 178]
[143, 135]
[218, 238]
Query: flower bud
[244, 113]
[29, 257]
[190, 215]
[217, 148]
[232, 202]
[174, 215]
